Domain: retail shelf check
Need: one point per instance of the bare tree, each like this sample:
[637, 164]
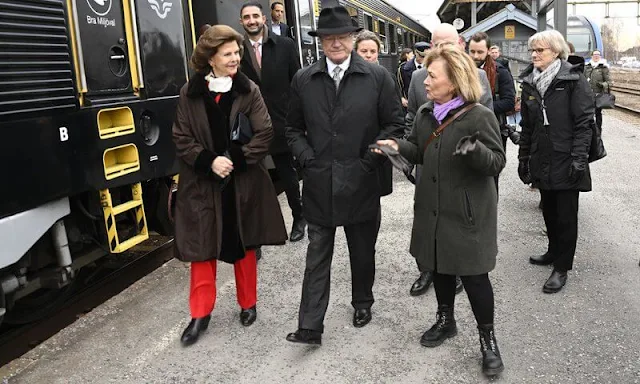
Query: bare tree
[610, 31]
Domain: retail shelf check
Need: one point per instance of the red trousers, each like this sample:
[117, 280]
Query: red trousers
[202, 295]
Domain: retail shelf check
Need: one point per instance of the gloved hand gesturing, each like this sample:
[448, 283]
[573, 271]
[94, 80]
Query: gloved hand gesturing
[523, 171]
[577, 170]
[466, 144]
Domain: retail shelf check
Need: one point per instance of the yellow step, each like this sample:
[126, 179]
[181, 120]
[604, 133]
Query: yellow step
[124, 207]
[135, 240]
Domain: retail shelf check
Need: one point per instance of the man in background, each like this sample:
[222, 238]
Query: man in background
[271, 61]
[494, 51]
[277, 26]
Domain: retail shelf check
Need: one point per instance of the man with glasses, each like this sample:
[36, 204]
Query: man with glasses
[405, 71]
[443, 35]
[338, 107]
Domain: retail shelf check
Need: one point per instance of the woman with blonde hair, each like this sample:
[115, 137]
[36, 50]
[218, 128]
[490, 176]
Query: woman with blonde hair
[457, 141]
[226, 204]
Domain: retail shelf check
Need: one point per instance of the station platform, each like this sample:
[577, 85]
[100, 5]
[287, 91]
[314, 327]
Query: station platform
[589, 332]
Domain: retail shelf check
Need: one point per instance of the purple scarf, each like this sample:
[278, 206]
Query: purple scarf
[440, 111]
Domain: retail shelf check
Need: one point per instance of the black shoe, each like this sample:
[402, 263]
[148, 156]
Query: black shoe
[258, 254]
[361, 317]
[546, 259]
[444, 328]
[248, 316]
[305, 336]
[555, 282]
[193, 330]
[421, 285]
[297, 230]
[491, 360]
[459, 285]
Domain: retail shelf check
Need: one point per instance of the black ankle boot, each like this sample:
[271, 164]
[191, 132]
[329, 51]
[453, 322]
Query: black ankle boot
[195, 327]
[491, 360]
[444, 328]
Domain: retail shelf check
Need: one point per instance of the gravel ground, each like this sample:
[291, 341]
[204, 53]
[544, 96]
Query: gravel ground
[588, 333]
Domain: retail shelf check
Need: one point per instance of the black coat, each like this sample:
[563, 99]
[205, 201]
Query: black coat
[551, 149]
[405, 71]
[505, 100]
[330, 135]
[280, 62]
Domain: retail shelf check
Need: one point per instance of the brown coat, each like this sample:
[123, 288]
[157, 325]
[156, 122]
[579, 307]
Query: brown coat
[198, 216]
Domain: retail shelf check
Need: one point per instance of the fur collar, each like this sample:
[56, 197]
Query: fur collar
[198, 85]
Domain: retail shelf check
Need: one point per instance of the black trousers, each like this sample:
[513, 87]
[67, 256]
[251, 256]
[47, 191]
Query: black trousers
[560, 211]
[479, 291]
[599, 117]
[287, 174]
[361, 240]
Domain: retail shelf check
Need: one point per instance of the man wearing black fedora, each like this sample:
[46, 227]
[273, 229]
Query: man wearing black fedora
[338, 107]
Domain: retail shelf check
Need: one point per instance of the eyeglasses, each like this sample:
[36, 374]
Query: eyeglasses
[537, 50]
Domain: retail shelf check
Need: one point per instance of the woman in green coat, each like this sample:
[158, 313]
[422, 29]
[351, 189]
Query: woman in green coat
[455, 213]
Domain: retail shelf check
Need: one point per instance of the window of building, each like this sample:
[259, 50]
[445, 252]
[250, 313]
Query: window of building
[369, 25]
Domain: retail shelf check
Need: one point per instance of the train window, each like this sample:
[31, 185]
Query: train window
[581, 41]
[369, 25]
[353, 12]
[382, 33]
[392, 39]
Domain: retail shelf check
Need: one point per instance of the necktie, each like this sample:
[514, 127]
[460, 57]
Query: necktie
[256, 49]
[336, 77]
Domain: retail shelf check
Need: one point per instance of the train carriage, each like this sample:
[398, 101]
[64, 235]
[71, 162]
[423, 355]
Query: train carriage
[88, 91]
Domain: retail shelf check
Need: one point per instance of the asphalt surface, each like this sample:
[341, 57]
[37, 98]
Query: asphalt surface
[588, 333]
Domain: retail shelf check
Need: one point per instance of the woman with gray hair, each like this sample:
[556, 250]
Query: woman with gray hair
[557, 119]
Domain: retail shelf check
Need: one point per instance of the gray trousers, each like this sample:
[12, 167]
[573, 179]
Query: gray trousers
[361, 240]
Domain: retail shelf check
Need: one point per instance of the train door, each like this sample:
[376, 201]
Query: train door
[302, 15]
[162, 46]
[102, 47]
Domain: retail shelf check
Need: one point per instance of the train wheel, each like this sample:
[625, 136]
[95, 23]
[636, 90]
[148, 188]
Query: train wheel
[39, 305]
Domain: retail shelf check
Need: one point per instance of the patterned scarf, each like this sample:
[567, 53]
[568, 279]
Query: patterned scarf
[542, 79]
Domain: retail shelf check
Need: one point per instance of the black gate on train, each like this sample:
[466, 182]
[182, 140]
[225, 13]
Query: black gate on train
[104, 46]
[162, 46]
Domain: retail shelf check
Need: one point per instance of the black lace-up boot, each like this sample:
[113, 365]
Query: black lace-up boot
[444, 328]
[491, 360]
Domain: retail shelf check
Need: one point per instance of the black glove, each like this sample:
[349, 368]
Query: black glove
[397, 160]
[523, 171]
[515, 137]
[466, 144]
[577, 170]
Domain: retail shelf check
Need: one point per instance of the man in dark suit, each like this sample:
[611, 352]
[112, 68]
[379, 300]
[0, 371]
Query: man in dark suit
[271, 61]
[339, 106]
[277, 26]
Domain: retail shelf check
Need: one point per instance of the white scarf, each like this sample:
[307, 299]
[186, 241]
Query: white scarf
[542, 79]
[218, 84]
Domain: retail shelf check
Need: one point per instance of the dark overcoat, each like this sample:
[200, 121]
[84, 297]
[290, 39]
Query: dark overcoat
[198, 216]
[280, 62]
[552, 148]
[330, 133]
[455, 211]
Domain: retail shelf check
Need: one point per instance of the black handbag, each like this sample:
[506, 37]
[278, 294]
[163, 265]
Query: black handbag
[241, 132]
[596, 151]
[605, 100]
